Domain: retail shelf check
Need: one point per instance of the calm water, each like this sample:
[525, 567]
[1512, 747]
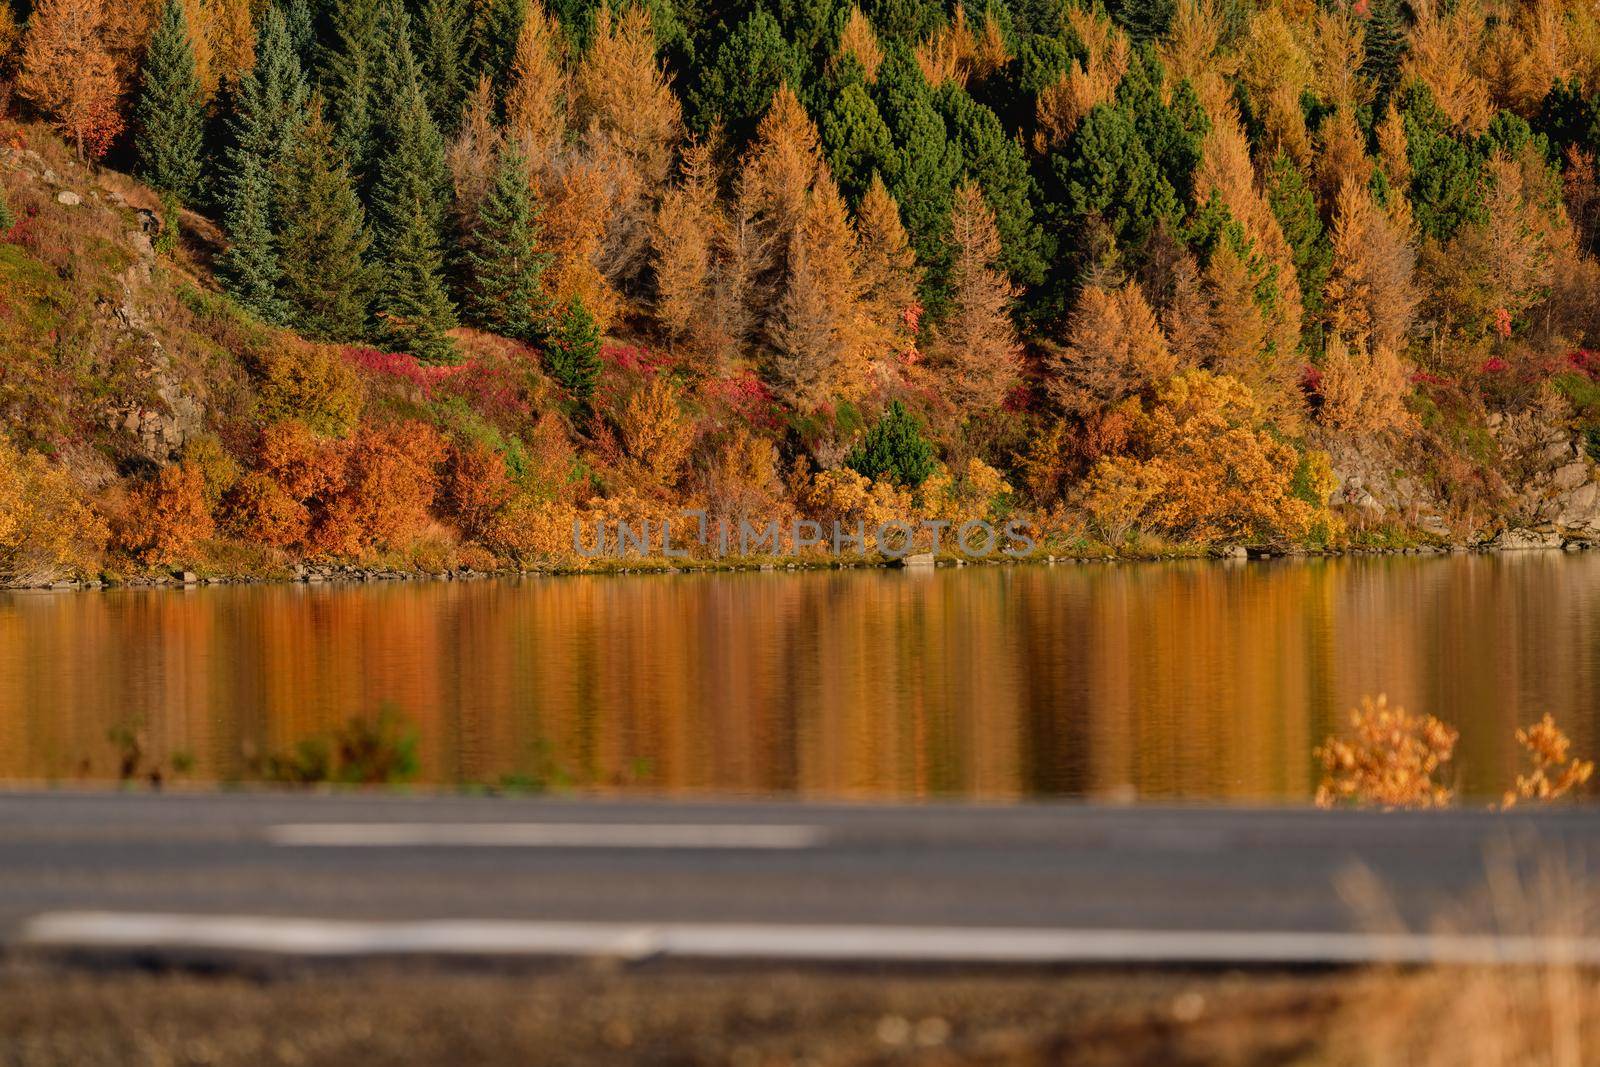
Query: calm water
[1159, 681]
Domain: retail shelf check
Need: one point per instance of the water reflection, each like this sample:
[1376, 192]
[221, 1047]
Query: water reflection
[1162, 681]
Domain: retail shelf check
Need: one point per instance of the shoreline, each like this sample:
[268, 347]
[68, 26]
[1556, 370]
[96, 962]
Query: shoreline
[357, 574]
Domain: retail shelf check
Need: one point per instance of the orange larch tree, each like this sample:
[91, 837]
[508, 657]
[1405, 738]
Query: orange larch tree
[977, 352]
[69, 74]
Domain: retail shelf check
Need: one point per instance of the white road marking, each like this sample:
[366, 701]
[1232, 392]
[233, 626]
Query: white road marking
[634, 941]
[547, 835]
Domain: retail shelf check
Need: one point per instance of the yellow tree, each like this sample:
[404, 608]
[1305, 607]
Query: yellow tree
[889, 275]
[630, 124]
[1371, 297]
[1113, 348]
[1444, 49]
[817, 336]
[977, 353]
[687, 225]
[858, 41]
[68, 73]
[536, 96]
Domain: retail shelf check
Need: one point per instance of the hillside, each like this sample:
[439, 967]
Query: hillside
[1152, 281]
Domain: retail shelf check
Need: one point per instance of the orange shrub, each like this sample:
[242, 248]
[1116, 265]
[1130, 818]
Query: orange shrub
[476, 486]
[258, 509]
[306, 465]
[168, 516]
[390, 482]
[1555, 771]
[1389, 759]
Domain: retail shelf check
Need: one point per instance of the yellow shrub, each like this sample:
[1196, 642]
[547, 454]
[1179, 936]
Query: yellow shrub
[46, 531]
[1201, 467]
[969, 498]
[1555, 771]
[1389, 759]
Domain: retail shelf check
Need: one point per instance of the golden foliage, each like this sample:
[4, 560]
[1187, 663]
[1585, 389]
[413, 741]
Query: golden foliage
[574, 226]
[1363, 392]
[1094, 80]
[971, 497]
[686, 227]
[1526, 54]
[889, 274]
[1338, 50]
[1191, 50]
[847, 497]
[858, 40]
[656, 435]
[949, 53]
[1200, 467]
[1389, 759]
[68, 73]
[1371, 296]
[1275, 71]
[1114, 348]
[1444, 47]
[1341, 156]
[312, 383]
[977, 351]
[817, 331]
[1556, 772]
[47, 532]
[537, 95]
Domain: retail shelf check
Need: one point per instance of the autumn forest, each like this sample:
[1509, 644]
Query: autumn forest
[417, 284]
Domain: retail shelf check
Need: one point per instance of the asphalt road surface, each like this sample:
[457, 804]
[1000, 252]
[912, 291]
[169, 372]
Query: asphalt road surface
[365, 874]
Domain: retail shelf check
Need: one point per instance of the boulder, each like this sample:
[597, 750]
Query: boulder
[68, 198]
[1521, 538]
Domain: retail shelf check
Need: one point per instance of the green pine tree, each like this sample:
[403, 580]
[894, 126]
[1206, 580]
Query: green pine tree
[301, 21]
[326, 283]
[408, 202]
[1296, 209]
[347, 75]
[503, 261]
[1385, 46]
[925, 169]
[270, 107]
[737, 86]
[573, 353]
[170, 112]
[997, 163]
[249, 266]
[442, 30]
[854, 138]
[894, 447]
[494, 43]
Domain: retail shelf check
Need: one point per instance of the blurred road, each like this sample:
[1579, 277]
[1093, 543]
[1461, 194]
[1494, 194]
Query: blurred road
[364, 874]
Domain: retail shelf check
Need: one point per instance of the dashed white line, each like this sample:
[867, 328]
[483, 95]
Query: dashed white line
[547, 835]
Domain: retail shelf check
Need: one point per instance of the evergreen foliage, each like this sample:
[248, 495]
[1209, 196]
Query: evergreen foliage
[169, 117]
[504, 262]
[572, 354]
[326, 283]
[894, 448]
[443, 34]
[349, 61]
[408, 205]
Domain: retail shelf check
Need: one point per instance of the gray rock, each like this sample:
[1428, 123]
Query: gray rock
[1570, 475]
[1524, 539]
[68, 198]
[918, 560]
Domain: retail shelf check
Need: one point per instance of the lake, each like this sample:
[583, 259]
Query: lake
[1184, 681]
